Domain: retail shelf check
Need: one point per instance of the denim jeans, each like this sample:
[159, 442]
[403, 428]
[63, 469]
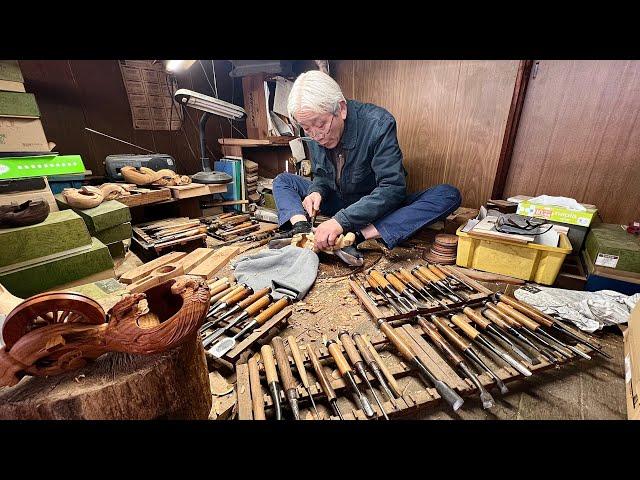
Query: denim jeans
[418, 210]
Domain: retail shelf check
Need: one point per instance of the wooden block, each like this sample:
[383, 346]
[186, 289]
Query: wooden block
[156, 277]
[195, 258]
[196, 190]
[43, 276]
[215, 262]
[106, 215]
[145, 197]
[114, 234]
[243, 392]
[144, 270]
[60, 232]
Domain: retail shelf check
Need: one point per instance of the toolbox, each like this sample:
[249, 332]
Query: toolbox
[533, 262]
[611, 246]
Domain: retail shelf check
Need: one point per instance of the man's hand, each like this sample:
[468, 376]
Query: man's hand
[311, 203]
[326, 234]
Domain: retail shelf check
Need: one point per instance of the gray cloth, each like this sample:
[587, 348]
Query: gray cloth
[288, 271]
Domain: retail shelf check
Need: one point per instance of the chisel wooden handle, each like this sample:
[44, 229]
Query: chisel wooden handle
[269, 364]
[215, 281]
[297, 358]
[439, 340]
[238, 296]
[393, 384]
[437, 272]
[350, 348]
[506, 318]
[450, 333]
[252, 298]
[256, 390]
[495, 318]
[413, 281]
[235, 291]
[258, 305]
[526, 309]
[216, 298]
[477, 317]
[379, 279]
[218, 288]
[463, 323]
[282, 360]
[272, 310]
[321, 374]
[336, 353]
[428, 274]
[371, 281]
[395, 281]
[362, 347]
[393, 337]
[517, 316]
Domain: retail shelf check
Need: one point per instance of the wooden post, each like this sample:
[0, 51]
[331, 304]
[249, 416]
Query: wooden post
[255, 106]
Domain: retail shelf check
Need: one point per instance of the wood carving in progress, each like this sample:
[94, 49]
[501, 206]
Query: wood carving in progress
[90, 197]
[307, 240]
[51, 333]
[147, 176]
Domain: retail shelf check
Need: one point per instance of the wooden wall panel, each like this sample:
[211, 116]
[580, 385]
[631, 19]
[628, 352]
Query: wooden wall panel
[579, 136]
[451, 116]
[76, 94]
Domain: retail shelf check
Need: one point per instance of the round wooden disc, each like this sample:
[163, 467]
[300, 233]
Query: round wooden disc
[446, 239]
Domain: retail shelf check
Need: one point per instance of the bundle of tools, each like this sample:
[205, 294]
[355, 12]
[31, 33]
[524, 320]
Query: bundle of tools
[363, 366]
[168, 231]
[238, 316]
[231, 227]
[443, 250]
[487, 332]
[251, 176]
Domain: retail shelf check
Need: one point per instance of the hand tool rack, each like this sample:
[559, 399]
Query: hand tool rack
[253, 340]
[409, 403]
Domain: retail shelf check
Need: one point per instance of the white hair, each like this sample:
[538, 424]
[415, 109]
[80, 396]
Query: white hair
[314, 91]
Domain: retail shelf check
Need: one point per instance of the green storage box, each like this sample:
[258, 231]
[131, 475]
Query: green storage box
[18, 104]
[10, 71]
[106, 215]
[114, 234]
[61, 231]
[116, 249]
[610, 245]
[40, 166]
[50, 274]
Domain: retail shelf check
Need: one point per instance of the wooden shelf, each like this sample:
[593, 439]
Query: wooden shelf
[251, 142]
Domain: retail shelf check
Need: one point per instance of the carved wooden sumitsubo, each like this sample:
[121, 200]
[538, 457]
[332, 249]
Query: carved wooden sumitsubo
[55, 332]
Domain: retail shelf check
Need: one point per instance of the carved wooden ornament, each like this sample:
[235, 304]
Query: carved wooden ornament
[51, 333]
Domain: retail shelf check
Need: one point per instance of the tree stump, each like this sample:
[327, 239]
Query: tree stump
[118, 386]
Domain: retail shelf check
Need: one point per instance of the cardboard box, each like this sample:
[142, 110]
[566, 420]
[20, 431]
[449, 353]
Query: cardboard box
[7, 86]
[556, 213]
[22, 135]
[18, 104]
[631, 340]
[10, 70]
[609, 245]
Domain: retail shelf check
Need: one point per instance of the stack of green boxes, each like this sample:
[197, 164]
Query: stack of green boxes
[109, 222]
[54, 254]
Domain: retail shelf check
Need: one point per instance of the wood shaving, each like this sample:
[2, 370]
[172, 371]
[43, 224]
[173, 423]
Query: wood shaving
[335, 374]
[77, 379]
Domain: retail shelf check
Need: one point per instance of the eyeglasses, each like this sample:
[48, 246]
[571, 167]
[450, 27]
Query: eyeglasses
[322, 134]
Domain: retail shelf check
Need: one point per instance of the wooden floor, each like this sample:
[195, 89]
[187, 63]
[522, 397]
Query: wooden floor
[586, 389]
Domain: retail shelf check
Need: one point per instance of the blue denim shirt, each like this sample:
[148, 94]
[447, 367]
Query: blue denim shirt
[372, 183]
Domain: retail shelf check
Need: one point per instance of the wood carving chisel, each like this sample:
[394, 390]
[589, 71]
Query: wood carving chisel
[446, 392]
[373, 366]
[324, 381]
[358, 364]
[289, 384]
[302, 372]
[272, 378]
[226, 344]
[248, 311]
[256, 389]
[232, 300]
[347, 375]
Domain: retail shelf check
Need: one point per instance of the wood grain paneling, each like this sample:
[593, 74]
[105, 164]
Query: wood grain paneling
[579, 136]
[451, 116]
[76, 94]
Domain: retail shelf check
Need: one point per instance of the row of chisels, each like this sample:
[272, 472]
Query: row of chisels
[235, 311]
[357, 368]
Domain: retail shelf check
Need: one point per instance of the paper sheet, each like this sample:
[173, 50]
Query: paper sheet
[283, 88]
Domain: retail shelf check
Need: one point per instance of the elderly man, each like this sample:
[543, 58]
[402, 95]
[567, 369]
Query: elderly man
[358, 176]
